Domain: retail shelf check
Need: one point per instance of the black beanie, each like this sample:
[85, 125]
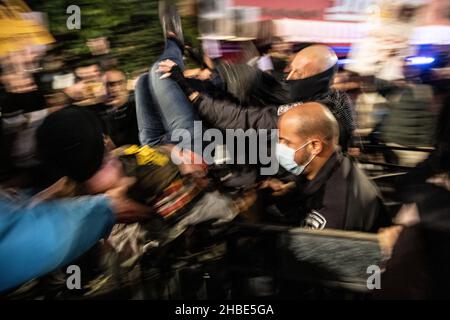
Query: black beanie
[70, 142]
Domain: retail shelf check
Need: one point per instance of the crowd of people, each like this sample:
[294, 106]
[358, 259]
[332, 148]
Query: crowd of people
[88, 164]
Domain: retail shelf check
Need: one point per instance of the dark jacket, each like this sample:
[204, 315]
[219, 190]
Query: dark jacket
[119, 123]
[422, 251]
[340, 197]
[224, 114]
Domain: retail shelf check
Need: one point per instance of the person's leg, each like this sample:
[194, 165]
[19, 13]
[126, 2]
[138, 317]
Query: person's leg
[176, 110]
[151, 127]
[172, 52]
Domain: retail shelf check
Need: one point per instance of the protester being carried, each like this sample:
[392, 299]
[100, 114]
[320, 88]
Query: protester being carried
[176, 195]
[310, 79]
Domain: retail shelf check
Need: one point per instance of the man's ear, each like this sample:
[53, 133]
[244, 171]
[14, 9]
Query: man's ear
[316, 146]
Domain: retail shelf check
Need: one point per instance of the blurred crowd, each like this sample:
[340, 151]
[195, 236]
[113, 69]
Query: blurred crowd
[92, 173]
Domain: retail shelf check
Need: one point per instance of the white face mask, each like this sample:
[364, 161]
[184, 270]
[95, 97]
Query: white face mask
[286, 156]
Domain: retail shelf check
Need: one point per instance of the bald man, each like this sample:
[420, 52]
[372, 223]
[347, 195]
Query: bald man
[313, 132]
[316, 61]
[311, 74]
[332, 191]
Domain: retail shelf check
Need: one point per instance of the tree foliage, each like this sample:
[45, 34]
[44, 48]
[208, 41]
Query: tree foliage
[132, 27]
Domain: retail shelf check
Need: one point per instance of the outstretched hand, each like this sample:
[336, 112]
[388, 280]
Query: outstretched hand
[278, 187]
[168, 68]
[165, 67]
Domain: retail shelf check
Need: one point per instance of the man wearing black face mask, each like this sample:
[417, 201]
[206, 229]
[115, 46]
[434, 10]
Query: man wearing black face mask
[311, 76]
[312, 73]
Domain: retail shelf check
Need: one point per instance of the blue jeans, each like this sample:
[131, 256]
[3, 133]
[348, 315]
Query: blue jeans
[162, 107]
[152, 131]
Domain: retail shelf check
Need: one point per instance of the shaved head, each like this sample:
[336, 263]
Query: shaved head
[306, 121]
[312, 132]
[312, 60]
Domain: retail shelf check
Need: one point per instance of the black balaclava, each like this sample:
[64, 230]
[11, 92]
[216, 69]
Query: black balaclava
[306, 89]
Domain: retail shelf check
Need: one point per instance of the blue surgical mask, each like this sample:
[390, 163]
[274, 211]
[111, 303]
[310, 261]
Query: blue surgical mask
[286, 156]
